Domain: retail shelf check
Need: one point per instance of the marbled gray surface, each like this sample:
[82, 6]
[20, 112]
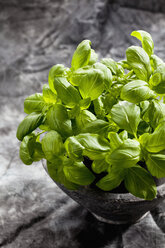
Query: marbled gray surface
[34, 35]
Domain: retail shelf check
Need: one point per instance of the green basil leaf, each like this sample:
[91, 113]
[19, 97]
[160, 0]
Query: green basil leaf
[82, 55]
[99, 107]
[29, 124]
[25, 151]
[109, 100]
[74, 148]
[59, 121]
[95, 146]
[34, 103]
[58, 70]
[78, 173]
[154, 142]
[48, 95]
[52, 145]
[140, 183]
[30, 150]
[139, 60]
[127, 154]
[89, 81]
[45, 125]
[146, 40]
[56, 172]
[156, 164]
[37, 152]
[97, 126]
[143, 107]
[115, 140]
[112, 180]
[73, 112]
[84, 118]
[144, 127]
[155, 61]
[99, 166]
[107, 75]
[68, 94]
[155, 79]
[123, 135]
[137, 91]
[85, 103]
[159, 78]
[110, 64]
[93, 58]
[156, 113]
[160, 88]
[126, 115]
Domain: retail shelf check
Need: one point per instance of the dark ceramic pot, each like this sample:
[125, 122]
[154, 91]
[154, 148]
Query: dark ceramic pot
[115, 208]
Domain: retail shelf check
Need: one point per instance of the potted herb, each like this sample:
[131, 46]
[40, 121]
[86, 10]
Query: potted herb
[100, 126]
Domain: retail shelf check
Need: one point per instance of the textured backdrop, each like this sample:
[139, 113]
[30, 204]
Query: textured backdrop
[34, 35]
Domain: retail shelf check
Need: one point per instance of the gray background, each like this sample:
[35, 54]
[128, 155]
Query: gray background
[34, 35]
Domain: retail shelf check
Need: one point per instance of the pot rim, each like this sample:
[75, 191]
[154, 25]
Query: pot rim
[106, 196]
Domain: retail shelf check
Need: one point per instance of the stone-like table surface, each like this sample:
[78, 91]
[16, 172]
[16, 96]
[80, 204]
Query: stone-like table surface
[34, 35]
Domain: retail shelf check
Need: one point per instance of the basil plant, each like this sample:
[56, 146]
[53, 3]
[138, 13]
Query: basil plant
[100, 122]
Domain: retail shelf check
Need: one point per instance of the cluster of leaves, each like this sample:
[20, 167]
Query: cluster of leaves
[108, 111]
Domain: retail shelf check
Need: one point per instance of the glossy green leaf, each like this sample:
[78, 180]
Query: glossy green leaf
[146, 40]
[78, 173]
[110, 64]
[139, 61]
[82, 55]
[58, 70]
[37, 152]
[93, 58]
[34, 103]
[59, 121]
[137, 91]
[48, 95]
[95, 146]
[143, 107]
[156, 61]
[156, 113]
[56, 172]
[97, 126]
[112, 180]
[126, 154]
[30, 150]
[84, 118]
[45, 125]
[154, 142]
[140, 183]
[74, 148]
[123, 135]
[107, 75]
[52, 145]
[68, 94]
[25, 151]
[89, 81]
[115, 140]
[108, 101]
[156, 164]
[99, 166]
[144, 127]
[126, 115]
[29, 124]
[160, 88]
[155, 79]
[99, 107]
[85, 103]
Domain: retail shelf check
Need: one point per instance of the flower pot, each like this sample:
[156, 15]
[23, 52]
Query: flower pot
[115, 208]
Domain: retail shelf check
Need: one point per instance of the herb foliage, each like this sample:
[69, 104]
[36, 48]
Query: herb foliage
[108, 111]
